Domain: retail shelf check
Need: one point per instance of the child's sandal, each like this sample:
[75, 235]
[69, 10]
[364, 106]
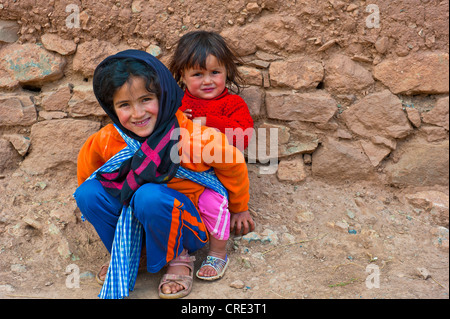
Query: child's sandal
[183, 280]
[101, 275]
[219, 265]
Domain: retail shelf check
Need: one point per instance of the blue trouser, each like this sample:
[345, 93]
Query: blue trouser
[171, 221]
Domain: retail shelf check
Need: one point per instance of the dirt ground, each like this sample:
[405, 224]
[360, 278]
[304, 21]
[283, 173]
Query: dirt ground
[318, 241]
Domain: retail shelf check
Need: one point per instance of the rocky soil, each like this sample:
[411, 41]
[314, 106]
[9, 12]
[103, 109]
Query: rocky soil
[357, 91]
[312, 240]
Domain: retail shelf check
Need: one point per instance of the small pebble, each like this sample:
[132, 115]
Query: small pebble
[350, 214]
[87, 275]
[7, 288]
[251, 237]
[424, 274]
[18, 268]
[238, 284]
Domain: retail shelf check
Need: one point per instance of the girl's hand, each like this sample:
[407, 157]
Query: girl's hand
[242, 222]
[188, 113]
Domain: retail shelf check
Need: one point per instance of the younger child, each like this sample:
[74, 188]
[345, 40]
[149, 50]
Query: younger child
[205, 66]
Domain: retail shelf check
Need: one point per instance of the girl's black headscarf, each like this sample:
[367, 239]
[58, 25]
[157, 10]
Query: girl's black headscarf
[139, 170]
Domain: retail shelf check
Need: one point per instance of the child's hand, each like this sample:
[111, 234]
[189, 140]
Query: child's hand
[242, 222]
[188, 113]
[201, 120]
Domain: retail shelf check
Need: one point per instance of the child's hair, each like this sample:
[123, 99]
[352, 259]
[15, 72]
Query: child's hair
[116, 72]
[193, 49]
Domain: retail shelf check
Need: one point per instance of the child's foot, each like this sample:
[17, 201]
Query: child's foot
[214, 266]
[173, 287]
[180, 268]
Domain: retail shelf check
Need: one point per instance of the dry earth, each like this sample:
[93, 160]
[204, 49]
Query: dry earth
[317, 242]
[317, 237]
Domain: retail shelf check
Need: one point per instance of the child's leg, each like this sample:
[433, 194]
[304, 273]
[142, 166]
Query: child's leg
[213, 209]
[171, 222]
[100, 208]
[173, 228]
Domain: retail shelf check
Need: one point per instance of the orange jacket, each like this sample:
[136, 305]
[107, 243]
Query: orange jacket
[194, 140]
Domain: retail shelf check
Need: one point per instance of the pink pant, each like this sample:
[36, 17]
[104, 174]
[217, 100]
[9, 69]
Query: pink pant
[214, 211]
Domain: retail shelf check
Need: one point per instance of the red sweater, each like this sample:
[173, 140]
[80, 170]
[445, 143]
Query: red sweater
[225, 111]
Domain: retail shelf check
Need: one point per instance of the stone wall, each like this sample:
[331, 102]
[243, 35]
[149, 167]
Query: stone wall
[358, 90]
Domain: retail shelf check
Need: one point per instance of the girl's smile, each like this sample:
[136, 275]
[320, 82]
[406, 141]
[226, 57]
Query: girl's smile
[136, 108]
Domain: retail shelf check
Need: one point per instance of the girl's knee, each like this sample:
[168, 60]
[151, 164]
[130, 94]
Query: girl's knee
[87, 193]
[148, 195]
[150, 202]
[92, 198]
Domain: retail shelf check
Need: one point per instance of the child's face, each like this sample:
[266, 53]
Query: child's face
[136, 108]
[206, 83]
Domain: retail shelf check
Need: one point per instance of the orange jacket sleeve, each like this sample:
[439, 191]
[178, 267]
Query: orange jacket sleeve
[97, 150]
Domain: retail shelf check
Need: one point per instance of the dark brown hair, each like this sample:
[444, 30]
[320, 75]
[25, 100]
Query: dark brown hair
[193, 49]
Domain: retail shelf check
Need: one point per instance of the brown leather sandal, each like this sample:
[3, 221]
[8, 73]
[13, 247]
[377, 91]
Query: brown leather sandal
[101, 275]
[183, 280]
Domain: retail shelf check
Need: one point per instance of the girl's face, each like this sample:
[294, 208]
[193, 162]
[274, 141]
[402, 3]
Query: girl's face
[206, 83]
[136, 108]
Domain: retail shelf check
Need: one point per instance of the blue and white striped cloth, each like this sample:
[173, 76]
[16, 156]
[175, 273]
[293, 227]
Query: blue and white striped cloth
[127, 245]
